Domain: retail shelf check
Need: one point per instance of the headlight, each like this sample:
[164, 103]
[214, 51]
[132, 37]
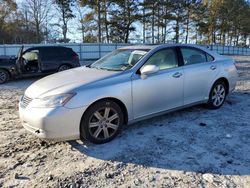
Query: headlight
[52, 101]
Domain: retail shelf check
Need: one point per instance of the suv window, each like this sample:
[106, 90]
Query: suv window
[193, 56]
[49, 54]
[64, 52]
[54, 53]
[31, 55]
[164, 59]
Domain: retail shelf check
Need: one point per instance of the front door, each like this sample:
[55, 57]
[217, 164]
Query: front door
[162, 90]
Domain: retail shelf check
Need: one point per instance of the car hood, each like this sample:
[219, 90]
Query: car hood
[66, 81]
[7, 60]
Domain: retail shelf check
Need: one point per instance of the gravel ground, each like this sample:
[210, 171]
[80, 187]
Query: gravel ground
[194, 147]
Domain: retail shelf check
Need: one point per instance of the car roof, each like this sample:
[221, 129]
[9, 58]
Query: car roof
[44, 47]
[139, 47]
[150, 47]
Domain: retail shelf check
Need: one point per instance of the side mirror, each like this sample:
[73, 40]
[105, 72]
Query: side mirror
[148, 69]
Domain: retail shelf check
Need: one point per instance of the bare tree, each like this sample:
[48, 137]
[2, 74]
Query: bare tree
[81, 16]
[36, 12]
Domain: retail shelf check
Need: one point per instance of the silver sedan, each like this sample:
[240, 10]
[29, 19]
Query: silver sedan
[130, 84]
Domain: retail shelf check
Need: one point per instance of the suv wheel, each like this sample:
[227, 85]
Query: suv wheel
[63, 68]
[4, 76]
[102, 122]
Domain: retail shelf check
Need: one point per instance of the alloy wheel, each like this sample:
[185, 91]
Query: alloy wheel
[3, 77]
[218, 95]
[104, 123]
[63, 68]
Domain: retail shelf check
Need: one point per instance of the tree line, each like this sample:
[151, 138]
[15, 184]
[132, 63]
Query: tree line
[223, 22]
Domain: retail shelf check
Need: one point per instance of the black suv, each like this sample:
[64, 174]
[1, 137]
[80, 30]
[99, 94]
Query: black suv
[37, 61]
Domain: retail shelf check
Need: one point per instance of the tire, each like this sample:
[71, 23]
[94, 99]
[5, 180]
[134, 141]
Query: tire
[63, 68]
[217, 95]
[4, 76]
[101, 122]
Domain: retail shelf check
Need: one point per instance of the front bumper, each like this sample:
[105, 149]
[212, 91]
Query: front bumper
[52, 123]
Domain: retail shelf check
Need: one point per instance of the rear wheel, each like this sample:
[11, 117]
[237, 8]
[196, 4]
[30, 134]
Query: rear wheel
[102, 122]
[4, 76]
[217, 95]
[63, 68]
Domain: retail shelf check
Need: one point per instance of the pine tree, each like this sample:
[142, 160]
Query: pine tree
[66, 14]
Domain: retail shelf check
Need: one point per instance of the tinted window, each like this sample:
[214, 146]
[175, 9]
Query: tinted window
[49, 53]
[164, 59]
[65, 52]
[193, 56]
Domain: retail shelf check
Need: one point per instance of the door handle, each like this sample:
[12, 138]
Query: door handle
[213, 67]
[177, 75]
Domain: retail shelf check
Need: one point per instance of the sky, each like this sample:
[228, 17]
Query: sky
[73, 24]
[75, 34]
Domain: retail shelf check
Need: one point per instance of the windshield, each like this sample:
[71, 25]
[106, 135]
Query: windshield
[119, 60]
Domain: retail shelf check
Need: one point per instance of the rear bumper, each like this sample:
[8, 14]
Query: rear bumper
[233, 81]
[52, 123]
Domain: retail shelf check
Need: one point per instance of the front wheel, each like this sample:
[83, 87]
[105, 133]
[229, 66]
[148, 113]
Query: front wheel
[102, 122]
[4, 76]
[217, 95]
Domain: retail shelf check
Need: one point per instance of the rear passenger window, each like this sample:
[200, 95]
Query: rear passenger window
[193, 56]
[49, 54]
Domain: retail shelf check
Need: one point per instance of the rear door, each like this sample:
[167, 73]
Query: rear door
[200, 70]
[50, 59]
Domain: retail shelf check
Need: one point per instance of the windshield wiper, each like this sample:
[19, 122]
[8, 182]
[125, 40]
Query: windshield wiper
[108, 69]
[104, 68]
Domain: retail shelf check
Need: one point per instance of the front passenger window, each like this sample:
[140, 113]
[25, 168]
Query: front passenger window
[164, 59]
[31, 56]
[193, 56]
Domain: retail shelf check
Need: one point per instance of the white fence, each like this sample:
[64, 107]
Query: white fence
[93, 51]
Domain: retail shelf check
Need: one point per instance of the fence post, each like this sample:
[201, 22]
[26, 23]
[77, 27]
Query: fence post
[80, 51]
[4, 50]
[99, 47]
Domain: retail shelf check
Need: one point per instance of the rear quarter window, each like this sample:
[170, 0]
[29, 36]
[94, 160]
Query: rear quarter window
[209, 58]
[67, 52]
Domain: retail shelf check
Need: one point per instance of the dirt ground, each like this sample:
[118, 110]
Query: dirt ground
[194, 147]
